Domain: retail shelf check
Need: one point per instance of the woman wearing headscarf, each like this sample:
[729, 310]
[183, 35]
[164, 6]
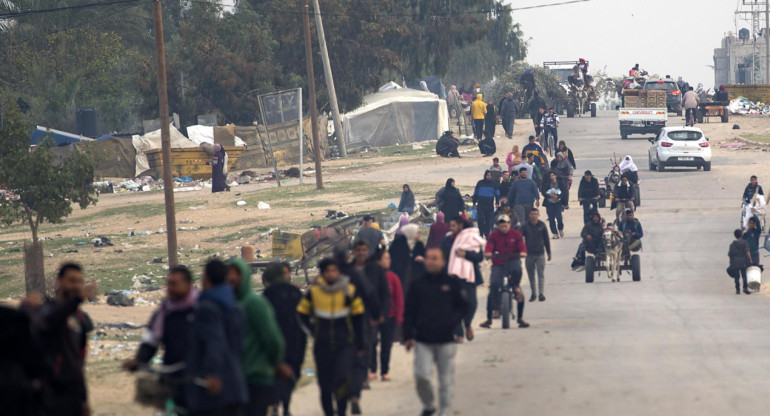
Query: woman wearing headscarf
[407, 255]
[438, 231]
[490, 120]
[513, 158]
[402, 221]
[628, 167]
[452, 203]
[567, 153]
[466, 252]
[407, 200]
[218, 163]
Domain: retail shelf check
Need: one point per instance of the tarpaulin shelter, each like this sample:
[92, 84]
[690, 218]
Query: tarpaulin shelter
[397, 116]
[433, 83]
[59, 137]
[115, 157]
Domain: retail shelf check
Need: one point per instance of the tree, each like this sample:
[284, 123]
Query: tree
[42, 189]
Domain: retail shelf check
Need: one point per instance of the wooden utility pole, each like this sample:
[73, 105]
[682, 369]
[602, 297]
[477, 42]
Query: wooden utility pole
[168, 181]
[319, 180]
[329, 80]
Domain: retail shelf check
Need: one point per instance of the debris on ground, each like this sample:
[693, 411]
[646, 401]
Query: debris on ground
[119, 299]
[102, 242]
[240, 203]
[262, 205]
[742, 105]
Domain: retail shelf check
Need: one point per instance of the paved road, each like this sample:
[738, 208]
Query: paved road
[677, 343]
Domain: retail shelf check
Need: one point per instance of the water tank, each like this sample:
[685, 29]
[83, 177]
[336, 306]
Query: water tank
[85, 122]
[744, 34]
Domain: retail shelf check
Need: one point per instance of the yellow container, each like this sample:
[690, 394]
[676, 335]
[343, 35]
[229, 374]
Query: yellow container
[193, 162]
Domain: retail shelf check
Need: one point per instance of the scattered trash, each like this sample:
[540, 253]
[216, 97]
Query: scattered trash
[742, 105]
[291, 173]
[157, 260]
[71, 251]
[392, 204]
[736, 127]
[240, 203]
[261, 205]
[198, 207]
[183, 179]
[101, 242]
[119, 300]
[333, 215]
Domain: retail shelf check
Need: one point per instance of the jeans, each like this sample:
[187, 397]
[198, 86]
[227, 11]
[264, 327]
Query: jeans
[588, 206]
[755, 258]
[443, 355]
[621, 208]
[555, 217]
[486, 214]
[742, 275]
[533, 262]
[333, 368]
[473, 303]
[522, 211]
[512, 268]
[478, 128]
[387, 331]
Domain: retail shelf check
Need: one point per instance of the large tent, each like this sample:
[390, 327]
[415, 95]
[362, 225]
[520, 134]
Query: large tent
[398, 116]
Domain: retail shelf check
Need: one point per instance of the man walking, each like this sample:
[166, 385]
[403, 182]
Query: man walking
[478, 113]
[588, 195]
[505, 247]
[435, 306]
[62, 328]
[538, 245]
[508, 111]
[215, 348]
[740, 258]
[523, 195]
[372, 236]
[486, 197]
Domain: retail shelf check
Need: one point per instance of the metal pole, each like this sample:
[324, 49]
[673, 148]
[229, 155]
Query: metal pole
[767, 42]
[319, 181]
[329, 80]
[301, 138]
[168, 182]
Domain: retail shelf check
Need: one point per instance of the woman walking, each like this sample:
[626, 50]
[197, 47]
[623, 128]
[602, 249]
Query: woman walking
[451, 201]
[465, 256]
[394, 320]
[513, 158]
[407, 255]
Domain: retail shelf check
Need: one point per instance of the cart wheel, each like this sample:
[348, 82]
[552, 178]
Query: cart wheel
[505, 309]
[570, 110]
[636, 268]
[590, 264]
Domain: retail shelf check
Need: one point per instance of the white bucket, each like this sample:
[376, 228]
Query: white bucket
[754, 278]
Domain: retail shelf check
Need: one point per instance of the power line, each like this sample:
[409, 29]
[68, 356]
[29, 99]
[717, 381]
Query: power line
[13, 15]
[549, 5]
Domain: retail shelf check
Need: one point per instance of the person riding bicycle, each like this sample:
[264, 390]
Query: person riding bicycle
[592, 239]
[622, 198]
[537, 118]
[527, 81]
[505, 246]
[632, 232]
[690, 102]
[752, 188]
[550, 125]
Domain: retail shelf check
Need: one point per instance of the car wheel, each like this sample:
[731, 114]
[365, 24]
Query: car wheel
[624, 135]
[707, 167]
[661, 166]
[651, 165]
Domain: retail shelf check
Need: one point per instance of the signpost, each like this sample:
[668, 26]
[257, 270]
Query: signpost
[278, 108]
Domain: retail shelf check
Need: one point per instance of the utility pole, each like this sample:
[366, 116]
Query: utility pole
[168, 182]
[329, 80]
[319, 180]
[767, 42]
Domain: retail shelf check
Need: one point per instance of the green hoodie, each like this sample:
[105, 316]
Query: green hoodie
[263, 344]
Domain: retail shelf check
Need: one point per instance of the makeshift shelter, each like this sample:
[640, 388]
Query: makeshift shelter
[397, 116]
[59, 137]
[115, 157]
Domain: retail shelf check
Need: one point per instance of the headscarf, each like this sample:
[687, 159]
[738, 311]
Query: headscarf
[453, 88]
[169, 306]
[448, 184]
[410, 232]
[440, 217]
[628, 164]
[402, 222]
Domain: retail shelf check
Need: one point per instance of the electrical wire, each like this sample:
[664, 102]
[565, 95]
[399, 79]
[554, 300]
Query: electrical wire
[23, 13]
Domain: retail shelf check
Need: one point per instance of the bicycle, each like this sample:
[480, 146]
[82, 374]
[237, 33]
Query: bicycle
[506, 303]
[549, 142]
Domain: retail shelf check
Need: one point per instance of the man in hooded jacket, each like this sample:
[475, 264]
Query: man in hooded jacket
[486, 197]
[508, 110]
[263, 344]
[478, 112]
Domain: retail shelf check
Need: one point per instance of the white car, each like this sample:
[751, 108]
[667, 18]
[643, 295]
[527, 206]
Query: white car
[680, 146]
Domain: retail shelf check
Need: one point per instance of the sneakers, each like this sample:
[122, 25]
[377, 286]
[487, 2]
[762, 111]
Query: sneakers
[523, 324]
[355, 408]
[486, 324]
[746, 291]
[541, 298]
[561, 233]
[533, 298]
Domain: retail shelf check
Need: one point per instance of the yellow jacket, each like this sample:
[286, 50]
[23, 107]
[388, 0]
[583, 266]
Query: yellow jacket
[478, 108]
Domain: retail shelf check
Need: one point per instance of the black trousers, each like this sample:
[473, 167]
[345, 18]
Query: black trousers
[333, 368]
[486, 214]
[260, 398]
[588, 206]
[387, 331]
[360, 368]
[742, 275]
[687, 115]
[473, 302]
[478, 128]
[555, 217]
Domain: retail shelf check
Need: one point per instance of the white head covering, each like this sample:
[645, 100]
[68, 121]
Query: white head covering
[628, 164]
[410, 232]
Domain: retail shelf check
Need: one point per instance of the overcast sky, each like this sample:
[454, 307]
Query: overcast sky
[675, 37]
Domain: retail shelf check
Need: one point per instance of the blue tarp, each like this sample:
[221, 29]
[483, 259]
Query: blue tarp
[59, 137]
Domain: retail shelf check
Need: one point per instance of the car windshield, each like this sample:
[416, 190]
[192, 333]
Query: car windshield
[685, 135]
[666, 86]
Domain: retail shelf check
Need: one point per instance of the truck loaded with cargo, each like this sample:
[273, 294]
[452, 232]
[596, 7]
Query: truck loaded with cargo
[642, 111]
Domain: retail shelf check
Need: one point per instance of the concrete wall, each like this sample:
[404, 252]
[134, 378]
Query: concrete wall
[734, 52]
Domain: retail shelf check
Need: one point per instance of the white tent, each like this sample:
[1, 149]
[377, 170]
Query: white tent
[398, 116]
[151, 141]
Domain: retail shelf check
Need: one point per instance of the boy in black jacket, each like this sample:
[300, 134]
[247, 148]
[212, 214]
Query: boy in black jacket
[434, 307]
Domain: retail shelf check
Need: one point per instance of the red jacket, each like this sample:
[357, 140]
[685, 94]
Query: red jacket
[396, 298]
[508, 246]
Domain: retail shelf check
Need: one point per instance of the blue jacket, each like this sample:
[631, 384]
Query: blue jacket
[215, 349]
[486, 192]
[523, 192]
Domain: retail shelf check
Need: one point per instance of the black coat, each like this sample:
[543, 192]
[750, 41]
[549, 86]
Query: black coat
[434, 307]
[373, 287]
[452, 203]
[176, 332]
[589, 190]
[509, 108]
[403, 263]
[284, 297]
